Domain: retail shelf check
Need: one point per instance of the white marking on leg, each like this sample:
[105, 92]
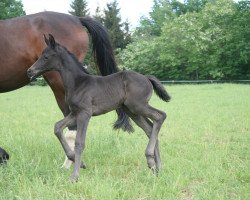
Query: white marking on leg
[70, 137]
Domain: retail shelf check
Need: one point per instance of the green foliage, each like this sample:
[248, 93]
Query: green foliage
[211, 42]
[161, 13]
[79, 8]
[165, 11]
[204, 145]
[98, 14]
[142, 56]
[11, 8]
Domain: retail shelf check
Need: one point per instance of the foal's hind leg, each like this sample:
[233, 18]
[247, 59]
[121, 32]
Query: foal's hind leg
[158, 118]
[147, 126]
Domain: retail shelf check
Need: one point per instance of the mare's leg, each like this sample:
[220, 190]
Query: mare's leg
[82, 120]
[55, 82]
[147, 126]
[70, 137]
[158, 118]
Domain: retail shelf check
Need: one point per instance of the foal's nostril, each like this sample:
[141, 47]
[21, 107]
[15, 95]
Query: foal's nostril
[29, 74]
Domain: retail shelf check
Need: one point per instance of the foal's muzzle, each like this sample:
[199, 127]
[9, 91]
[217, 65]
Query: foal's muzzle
[31, 75]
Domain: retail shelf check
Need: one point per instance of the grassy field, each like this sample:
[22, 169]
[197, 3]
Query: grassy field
[204, 147]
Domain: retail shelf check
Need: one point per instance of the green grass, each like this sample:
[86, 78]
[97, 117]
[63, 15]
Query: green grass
[204, 148]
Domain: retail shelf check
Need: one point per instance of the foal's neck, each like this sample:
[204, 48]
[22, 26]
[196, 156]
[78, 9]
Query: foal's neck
[70, 73]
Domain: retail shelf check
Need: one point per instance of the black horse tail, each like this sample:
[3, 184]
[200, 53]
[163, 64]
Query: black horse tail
[159, 88]
[102, 48]
[123, 121]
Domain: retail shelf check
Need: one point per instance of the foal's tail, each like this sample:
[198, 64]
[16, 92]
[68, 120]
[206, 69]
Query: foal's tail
[159, 88]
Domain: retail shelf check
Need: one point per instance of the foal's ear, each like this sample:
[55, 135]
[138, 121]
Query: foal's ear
[52, 42]
[46, 39]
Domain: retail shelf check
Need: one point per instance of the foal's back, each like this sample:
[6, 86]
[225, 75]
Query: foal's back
[125, 84]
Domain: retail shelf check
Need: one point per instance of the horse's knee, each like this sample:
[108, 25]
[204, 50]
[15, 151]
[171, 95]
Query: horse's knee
[160, 117]
[57, 130]
[163, 116]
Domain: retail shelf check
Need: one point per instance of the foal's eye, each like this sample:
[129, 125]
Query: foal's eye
[46, 57]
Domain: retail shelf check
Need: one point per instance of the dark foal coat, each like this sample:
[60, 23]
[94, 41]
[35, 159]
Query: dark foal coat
[4, 156]
[88, 95]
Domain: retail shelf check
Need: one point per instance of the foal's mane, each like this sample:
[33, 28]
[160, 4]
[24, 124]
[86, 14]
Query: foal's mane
[78, 64]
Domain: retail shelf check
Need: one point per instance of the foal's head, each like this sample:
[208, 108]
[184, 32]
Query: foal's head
[50, 60]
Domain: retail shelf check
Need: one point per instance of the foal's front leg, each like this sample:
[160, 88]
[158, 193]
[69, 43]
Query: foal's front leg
[82, 123]
[59, 127]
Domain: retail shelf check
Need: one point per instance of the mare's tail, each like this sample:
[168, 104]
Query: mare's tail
[159, 88]
[123, 122]
[102, 48]
[105, 60]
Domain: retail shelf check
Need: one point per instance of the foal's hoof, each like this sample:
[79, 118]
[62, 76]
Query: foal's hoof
[155, 170]
[73, 179]
[83, 166]
[151, 162]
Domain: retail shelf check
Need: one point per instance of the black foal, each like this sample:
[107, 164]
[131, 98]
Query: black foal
[88, 95]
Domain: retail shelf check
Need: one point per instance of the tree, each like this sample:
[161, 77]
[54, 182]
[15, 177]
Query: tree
[98, 15]
[142, 56]
[161, 13]
[112, 21]
[165, 11]
[10, 9]
[79, 8]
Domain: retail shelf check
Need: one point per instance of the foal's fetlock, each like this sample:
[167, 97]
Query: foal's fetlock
[151, 161]
[71, 157]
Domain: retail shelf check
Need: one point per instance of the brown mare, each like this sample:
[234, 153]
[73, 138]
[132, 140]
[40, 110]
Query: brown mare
[21, 43]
